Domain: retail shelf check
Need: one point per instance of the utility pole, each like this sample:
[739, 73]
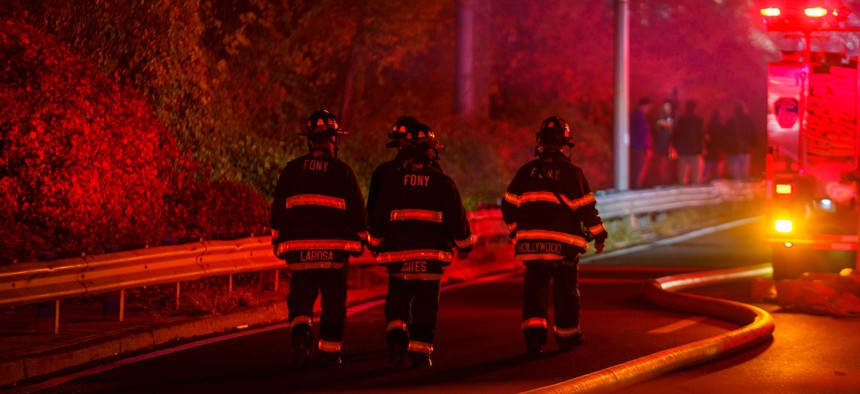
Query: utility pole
[465, 88]
[621, 128]
[473, 60]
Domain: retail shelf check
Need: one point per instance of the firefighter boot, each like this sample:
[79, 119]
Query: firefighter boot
[398, 342]
[420, 360]
[303, 340]
[330, 358]
[535, 339]
[567, 343]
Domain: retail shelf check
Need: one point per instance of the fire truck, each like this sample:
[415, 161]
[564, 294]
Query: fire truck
[813, 147]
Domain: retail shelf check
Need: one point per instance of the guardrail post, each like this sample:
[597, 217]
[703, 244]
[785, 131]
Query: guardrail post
[113, 306]
[178, 294]
[48, 317]
[264, 280]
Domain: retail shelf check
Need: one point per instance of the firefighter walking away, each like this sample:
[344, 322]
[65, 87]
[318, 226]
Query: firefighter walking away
[318, 221]
[415, 223]
[551, 213]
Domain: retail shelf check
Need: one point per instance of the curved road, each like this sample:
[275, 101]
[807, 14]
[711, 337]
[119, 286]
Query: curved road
[479, 345]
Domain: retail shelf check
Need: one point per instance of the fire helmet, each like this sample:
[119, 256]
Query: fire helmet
[421, 135]
[555, 131]
[398, 133]
[322, 125]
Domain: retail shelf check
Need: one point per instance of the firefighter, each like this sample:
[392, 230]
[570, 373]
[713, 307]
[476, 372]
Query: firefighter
[551, 213]
[416, 224]
[318, 221]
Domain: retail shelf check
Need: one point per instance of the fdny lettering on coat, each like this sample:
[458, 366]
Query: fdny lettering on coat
[315, 165]
[538, 247]
[416, 180]
[316, 255]
[414, 266]
[548, 173]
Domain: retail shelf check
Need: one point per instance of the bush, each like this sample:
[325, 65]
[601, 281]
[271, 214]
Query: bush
[84, 162]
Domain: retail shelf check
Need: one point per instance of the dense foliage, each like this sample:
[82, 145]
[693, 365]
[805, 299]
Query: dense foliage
[85, 163]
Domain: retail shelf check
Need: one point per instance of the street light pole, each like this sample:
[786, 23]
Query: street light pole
[621, 128]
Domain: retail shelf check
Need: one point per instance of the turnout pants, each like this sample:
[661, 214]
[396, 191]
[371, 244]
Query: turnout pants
[330, 284]
[565, 289]
[412, 305]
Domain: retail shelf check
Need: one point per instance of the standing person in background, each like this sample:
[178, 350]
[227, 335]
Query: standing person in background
[416, 222]
[663, 129]
[740, 138]
[640, 143]
[687, 140]
[318, 221]
[552, 214]
[714, 136]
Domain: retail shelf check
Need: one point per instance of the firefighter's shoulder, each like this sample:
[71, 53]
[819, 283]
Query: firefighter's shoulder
[446, 180]
[387, 168]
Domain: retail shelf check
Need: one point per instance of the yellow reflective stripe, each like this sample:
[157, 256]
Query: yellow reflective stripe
[409, 255]
[316, 199]
[420, 347]
[315, 265]
[551, 198]
[582, 201]
[463, 244]
[397, 325]
[540, 197]
[319, 244]
[539, 256]
[553, 236]
[512, 198]
[373, 241]
[299, 320]
[417, 276]
[417, 214]
[596, 229]
[533, 323]
[565, 332]
[331, 347]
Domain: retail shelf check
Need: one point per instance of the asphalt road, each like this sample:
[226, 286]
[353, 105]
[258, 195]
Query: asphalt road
[479, 346]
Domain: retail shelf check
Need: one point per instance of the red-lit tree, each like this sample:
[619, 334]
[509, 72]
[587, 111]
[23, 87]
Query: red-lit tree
[84, 162]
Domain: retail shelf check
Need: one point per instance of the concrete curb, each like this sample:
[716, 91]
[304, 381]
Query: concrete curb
[758, 327]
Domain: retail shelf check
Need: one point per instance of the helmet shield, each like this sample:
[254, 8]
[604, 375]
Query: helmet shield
[398, 132]
[322, 125]
[555, 131]
[421, 134]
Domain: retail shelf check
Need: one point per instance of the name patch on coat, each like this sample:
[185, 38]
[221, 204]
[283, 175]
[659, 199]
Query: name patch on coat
[315, 165]
[416, 180]
[316, 255]
[538, 247]
[548, 173]
[414, 266]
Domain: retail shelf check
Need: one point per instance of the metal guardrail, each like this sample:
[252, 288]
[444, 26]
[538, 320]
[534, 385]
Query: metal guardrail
[621, 204]
[50, 281]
